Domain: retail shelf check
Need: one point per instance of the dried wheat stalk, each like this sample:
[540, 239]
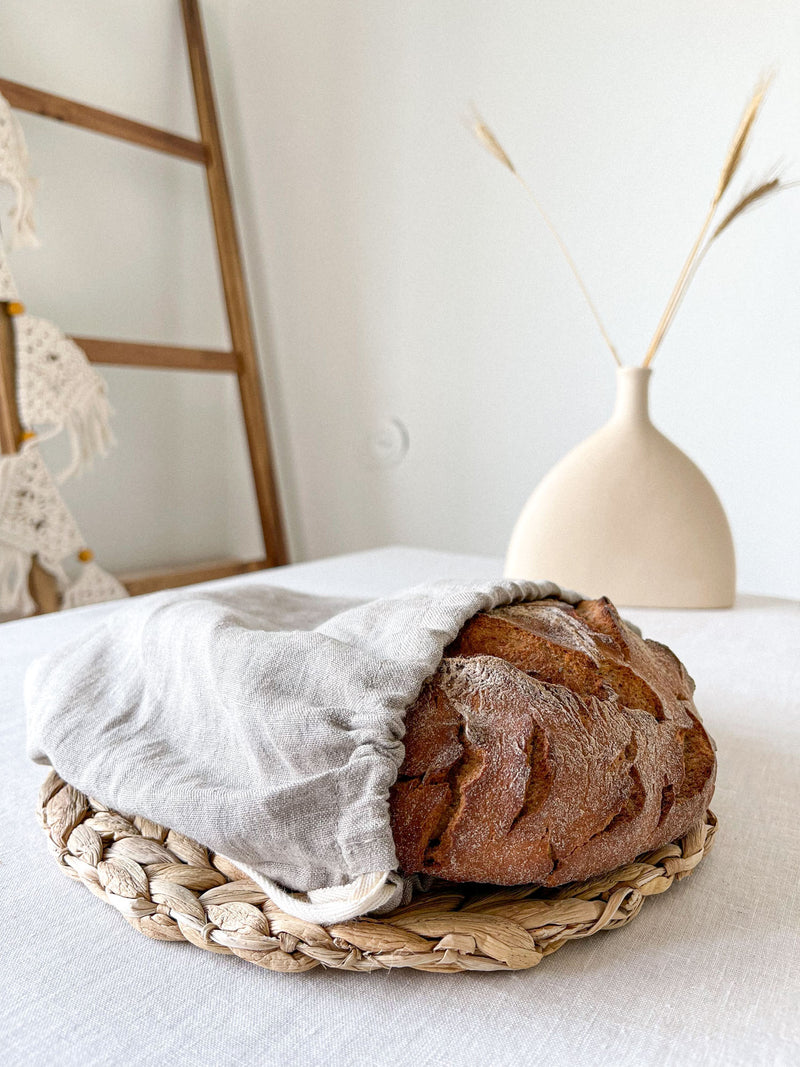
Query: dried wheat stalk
[486, 138]
[729, 168]
[703, 242]
[748, 199]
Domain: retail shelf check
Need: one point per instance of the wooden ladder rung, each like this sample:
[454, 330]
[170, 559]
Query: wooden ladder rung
[167, 357]
[38, 102]
[152, 581]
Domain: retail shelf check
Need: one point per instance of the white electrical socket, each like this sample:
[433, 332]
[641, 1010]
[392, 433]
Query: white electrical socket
[388, 442]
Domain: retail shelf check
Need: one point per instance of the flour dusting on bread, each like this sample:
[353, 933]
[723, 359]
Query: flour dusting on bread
[552, 744]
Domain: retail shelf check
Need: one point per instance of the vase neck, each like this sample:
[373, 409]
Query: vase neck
[632, 395]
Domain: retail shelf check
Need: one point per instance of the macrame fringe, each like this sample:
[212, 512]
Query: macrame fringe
[8, 287]
[6, 471]
[93, 586]
[15, 599]
[15, 562]
[14, 170]
[88, 427]
[23, 227]
[58, 389]
[33, 514]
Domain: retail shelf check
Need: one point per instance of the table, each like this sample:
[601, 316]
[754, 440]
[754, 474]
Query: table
[709, 973]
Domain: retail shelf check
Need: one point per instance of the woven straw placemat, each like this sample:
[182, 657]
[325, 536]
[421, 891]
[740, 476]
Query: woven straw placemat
[172, 889]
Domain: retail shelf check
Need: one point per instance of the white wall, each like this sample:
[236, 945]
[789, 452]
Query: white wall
[397, 272]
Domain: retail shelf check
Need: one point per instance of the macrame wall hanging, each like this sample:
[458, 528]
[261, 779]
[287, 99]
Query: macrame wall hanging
[57, 392]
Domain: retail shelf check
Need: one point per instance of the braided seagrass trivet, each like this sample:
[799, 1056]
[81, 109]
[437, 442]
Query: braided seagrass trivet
[173, 889]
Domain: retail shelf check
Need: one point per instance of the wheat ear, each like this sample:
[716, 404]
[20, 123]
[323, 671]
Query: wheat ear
[486, 138]
[748, 200]
[729, 168]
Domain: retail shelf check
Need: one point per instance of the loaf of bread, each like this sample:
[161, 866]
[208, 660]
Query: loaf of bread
[552, 744]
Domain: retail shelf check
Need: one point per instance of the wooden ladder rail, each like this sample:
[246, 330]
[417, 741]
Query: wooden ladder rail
[242, 359]
[230, 262]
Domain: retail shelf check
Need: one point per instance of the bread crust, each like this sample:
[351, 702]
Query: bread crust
[551, 745]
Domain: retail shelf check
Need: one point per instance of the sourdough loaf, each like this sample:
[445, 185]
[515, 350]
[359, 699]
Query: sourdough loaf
[552, 744]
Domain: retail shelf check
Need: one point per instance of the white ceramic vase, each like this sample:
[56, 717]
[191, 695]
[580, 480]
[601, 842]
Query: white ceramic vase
[628, 516]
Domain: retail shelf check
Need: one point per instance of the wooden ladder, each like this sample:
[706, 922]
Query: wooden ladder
[241, 360]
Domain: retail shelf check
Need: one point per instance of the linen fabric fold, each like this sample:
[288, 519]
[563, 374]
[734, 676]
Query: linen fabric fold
[264, 723]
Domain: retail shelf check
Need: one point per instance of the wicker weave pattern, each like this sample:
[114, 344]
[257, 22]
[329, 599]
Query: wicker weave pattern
[172, 889]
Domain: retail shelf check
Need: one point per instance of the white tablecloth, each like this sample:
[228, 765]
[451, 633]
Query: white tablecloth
[709, 973]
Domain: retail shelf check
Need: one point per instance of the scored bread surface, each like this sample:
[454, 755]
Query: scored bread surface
[552, 744]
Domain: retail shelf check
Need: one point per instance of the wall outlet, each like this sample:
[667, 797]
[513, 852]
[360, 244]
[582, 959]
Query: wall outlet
[388, 443]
